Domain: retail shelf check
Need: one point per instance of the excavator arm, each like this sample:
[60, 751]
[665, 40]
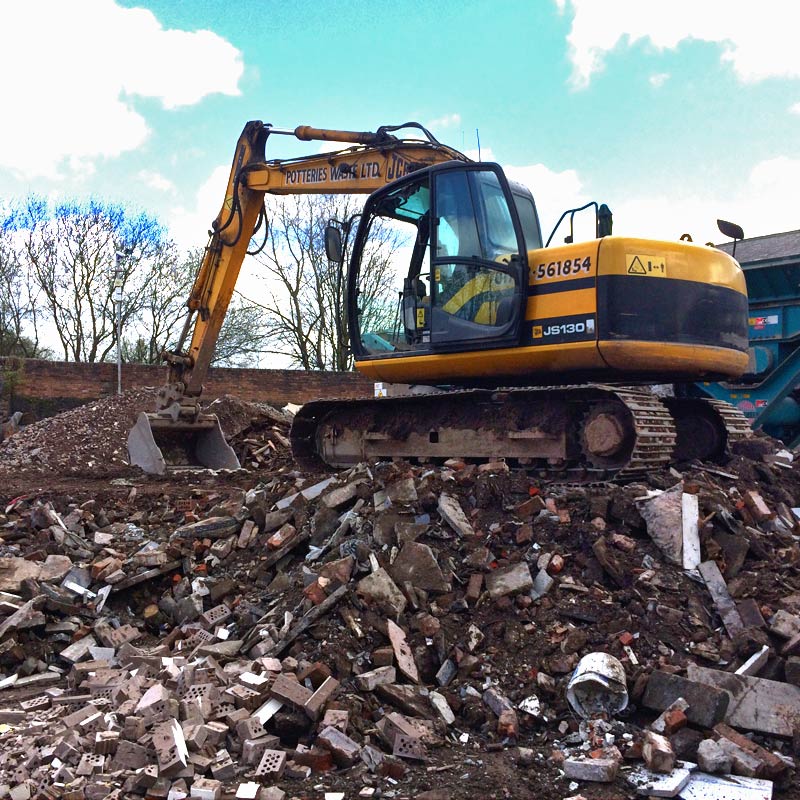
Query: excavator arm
[371, 160]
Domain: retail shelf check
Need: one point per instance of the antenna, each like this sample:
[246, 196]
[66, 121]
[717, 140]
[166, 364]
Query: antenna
[478, 137]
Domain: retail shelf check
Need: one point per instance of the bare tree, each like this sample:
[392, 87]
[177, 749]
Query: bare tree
[305, 293]
[71, 253]
[162, 308]
[19, 313]
[57, 266]
[163, 311]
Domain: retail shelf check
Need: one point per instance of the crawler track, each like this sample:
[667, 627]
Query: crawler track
[581, 433]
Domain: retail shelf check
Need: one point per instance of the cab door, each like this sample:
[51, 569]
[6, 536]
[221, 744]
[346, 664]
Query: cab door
[478, 259]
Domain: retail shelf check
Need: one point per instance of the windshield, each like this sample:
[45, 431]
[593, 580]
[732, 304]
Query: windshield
[449, 275]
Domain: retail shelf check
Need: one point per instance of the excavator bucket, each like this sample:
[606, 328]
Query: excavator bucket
[157, 443]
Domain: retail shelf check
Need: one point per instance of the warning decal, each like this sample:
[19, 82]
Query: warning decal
[647, 266]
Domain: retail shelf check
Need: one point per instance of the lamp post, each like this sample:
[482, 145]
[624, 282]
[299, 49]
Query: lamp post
[120, 259]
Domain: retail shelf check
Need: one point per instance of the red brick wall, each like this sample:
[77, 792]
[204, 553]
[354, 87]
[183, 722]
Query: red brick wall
[46, 387]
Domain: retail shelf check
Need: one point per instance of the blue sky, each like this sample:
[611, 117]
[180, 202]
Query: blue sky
[672, 113]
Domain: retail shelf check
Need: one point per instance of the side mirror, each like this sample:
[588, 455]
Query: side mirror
[730, 229]
[333, 244]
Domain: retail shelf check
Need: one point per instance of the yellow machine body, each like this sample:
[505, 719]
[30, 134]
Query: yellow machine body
[578, 299]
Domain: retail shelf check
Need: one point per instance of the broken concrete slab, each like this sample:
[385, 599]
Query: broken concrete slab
[723, 602]
[451, 512]
[702, 786]
[655, 784]
[509, 580]
[417, 564]
[707, 705]
[379, 588]
[690, 519]
[663, 517]
[755, 704]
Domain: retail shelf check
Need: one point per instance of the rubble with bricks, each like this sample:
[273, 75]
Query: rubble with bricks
[403, 631]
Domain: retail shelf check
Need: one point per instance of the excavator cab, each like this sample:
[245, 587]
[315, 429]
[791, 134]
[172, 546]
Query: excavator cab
[461, 260]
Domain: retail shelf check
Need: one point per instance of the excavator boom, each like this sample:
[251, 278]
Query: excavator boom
[372, 159]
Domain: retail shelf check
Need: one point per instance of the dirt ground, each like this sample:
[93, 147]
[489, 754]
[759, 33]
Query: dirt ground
[528, 648]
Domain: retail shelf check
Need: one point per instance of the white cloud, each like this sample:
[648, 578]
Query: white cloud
[73, 69]
[766, 202]
[189, 226]
[155, 180]
[555, 192]
[795, 109]
[446, 121]
[757, 39]
[659, 79]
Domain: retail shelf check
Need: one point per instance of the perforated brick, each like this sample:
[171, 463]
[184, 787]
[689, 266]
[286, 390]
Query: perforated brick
[216, 616]
[250, 728]
[253, 749]
[205, 690]
[243, 697]
[273, 763]
[170, 748]
[90, 763]
[409, 747]
[35, 703]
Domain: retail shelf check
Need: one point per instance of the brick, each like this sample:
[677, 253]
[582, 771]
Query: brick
[474, 587]
[317, 702]
[90, 763]
[223, 768]
[792, 669]
[271, 765]
[383, 657]
[287, 690]
[757, 507]
[368, 681]
[508, 724]
[335, 718]
[243, 698]
[282, 537]
[215, 616]
[657, 752]
[345, 751]
[206, 789]
[402, 652]
[772, 766]
[600, 770]
[170, 747]
[105, 742]
[250, 728]
[253, 749]
[319, 759]
[672, 719]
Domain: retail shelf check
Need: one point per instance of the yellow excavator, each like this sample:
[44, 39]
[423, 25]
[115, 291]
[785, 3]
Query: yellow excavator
[498, 346]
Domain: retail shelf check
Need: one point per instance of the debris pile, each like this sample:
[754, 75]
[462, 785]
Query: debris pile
[91, 440]
[399, 631]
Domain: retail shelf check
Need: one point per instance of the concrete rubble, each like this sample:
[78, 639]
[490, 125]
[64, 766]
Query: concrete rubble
[396, 631]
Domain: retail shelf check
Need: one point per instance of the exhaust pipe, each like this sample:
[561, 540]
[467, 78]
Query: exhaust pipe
[159, 443]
